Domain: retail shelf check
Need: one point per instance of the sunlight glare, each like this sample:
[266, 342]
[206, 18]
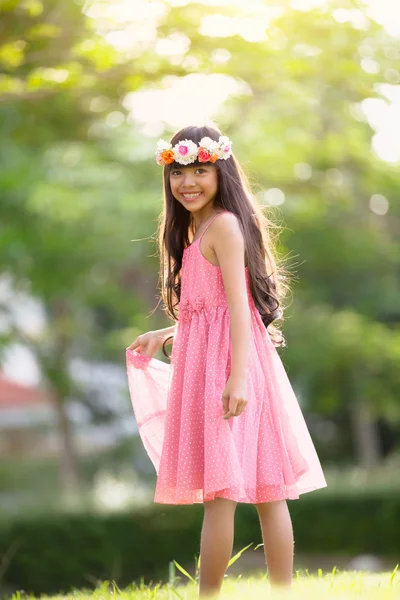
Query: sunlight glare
[384, 118]
[250, 5]
[126, 25]
[387, 13]
[190, 99]
[356, 17]
[274, 197]
[251, 28]
[379, 204]
[176, 44]
[306, 5]
[124, 11]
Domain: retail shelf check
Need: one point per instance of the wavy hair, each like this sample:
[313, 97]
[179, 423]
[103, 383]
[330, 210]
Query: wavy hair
[268, 281]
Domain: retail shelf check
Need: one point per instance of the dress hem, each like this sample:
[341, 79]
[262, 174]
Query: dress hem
[294, 495]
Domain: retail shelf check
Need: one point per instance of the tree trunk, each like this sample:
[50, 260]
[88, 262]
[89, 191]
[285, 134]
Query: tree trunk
[69, 472]
[61, 386]
[365, 434]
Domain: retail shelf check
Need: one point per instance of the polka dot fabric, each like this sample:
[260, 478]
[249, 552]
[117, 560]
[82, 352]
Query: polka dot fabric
[266, 453]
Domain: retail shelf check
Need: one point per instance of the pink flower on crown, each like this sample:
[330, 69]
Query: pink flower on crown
[185, 152]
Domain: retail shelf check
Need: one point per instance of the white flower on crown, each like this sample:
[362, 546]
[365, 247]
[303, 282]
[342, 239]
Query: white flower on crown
[225, 146]
[162, 145]
[185, 152]
[208, 144]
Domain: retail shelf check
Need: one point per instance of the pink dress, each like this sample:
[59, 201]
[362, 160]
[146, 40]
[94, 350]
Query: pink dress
[264, 454]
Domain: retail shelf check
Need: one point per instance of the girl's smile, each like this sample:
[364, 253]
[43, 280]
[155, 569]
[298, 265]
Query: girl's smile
[191, 196]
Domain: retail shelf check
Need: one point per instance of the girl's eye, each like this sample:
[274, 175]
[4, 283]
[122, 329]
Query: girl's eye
[176, 172]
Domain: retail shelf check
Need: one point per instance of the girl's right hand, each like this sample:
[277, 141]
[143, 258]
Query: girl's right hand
[148, 343]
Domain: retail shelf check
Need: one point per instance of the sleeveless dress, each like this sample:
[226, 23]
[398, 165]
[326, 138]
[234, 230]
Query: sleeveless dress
[264, 454]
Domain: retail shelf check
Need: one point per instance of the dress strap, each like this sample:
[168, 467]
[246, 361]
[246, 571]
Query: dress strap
[209, 223]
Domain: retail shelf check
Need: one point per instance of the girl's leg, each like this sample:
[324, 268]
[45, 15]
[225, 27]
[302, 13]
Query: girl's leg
[277, 533]
[216, 544]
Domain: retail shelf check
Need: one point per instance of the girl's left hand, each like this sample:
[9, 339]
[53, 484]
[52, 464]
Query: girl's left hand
[234, 397]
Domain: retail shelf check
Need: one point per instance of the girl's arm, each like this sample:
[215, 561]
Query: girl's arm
[227, 242]
[149, 343]
[166, 332]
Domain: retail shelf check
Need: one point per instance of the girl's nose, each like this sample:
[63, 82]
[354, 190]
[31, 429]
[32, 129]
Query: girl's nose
[189, 180]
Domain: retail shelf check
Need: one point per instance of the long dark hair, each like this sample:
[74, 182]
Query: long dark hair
[268, 283]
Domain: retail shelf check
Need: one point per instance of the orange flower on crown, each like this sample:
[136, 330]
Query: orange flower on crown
[168, 157]
[214, 157]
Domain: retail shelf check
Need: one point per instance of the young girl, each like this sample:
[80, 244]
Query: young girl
[221, 423]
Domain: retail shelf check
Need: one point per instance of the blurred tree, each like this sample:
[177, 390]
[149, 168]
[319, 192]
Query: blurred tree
[57, 220]
[78, 180]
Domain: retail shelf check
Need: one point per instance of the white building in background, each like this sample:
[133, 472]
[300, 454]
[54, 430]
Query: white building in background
[23, 409]
[28, 424]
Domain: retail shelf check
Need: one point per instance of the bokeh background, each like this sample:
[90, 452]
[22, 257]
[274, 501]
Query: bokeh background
[309, 92]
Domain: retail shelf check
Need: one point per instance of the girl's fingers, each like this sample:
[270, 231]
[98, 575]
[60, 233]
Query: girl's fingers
[240, 408]
[232, 409]
[135, 345]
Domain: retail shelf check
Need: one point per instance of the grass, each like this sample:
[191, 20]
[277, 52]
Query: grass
[336, 585]
[347, 585]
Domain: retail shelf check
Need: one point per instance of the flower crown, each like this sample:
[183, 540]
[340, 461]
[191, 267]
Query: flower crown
[186, 151]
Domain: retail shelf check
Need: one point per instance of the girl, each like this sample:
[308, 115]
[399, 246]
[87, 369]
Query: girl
[221, 423]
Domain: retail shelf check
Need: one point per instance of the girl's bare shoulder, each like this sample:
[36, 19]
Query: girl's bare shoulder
[221, 236]
[226, 224]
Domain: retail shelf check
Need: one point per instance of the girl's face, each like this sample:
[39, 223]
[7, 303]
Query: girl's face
[194, 187]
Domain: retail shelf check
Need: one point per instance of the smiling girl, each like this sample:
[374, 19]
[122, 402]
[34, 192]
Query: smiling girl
[221, 423]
